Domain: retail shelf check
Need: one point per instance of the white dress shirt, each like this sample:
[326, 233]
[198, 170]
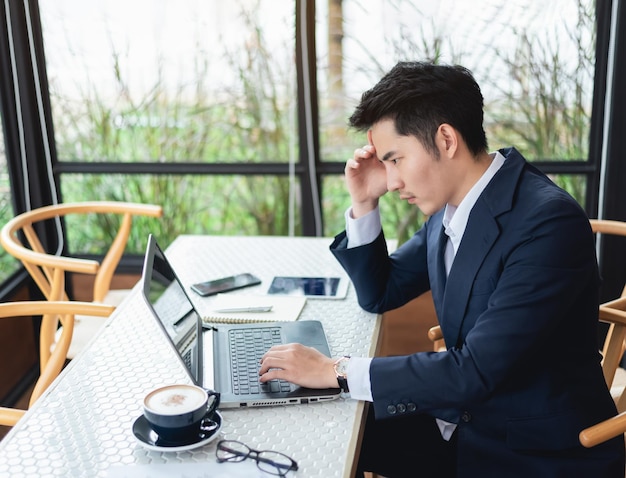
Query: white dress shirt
[367, 228]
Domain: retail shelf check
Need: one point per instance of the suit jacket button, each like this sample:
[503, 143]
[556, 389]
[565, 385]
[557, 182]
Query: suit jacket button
[466, 417]
[401, 407]
[391, 410]
[411, 407]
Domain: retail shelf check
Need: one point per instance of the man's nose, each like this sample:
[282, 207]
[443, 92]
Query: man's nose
[394, 183]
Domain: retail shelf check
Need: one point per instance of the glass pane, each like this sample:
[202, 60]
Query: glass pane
[193, 204]
[574, 184]
[533, 60]
[8, 265]
[334, 204]
[400, 219]
[173, 80]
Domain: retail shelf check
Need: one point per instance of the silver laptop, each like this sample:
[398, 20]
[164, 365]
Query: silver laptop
[225, 357]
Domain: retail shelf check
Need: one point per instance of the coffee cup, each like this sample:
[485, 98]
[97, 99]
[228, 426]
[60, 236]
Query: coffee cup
[176, 412]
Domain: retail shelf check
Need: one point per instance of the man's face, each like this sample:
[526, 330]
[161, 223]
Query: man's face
[418, 176]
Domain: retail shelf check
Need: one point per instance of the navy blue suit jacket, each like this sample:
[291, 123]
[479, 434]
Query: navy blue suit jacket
[518, 312]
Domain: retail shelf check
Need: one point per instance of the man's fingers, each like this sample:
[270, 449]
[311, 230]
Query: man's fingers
[352, 164]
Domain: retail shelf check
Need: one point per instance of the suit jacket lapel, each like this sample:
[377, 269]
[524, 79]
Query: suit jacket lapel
[480, 234]
[436, 267]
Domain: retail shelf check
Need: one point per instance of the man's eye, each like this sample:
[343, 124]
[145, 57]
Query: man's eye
[394, 161]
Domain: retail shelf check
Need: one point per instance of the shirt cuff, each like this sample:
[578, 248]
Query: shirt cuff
[445, 428]
[358, 371]
[363, 230]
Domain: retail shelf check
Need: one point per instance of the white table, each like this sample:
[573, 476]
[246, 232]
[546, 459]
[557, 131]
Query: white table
[82, 425]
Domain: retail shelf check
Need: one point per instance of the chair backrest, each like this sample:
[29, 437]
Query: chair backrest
[49, 270]
[63, 311]
[610, 313]
[614, 313]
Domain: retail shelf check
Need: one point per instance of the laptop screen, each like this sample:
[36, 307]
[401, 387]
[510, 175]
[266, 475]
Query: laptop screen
[172, 307]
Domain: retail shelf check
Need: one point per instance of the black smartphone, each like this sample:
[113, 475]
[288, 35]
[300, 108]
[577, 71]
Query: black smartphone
[225, 284]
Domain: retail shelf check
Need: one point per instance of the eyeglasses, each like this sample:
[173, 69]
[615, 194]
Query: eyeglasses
[271, 462]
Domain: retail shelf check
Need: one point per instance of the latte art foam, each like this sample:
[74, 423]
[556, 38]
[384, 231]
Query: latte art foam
[175, 399]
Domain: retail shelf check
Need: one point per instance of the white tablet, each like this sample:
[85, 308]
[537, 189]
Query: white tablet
[313, 287]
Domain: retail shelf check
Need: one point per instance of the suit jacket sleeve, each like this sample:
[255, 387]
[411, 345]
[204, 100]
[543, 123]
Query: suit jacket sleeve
[384, 282]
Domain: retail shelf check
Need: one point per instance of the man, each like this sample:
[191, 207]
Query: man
[510, 260]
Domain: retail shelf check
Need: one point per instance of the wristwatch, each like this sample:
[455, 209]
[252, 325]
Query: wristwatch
[341, 367]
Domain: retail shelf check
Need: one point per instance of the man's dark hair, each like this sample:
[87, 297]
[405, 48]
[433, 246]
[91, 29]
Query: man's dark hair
[420, 96]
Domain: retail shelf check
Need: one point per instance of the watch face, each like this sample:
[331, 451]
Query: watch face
[342, 366]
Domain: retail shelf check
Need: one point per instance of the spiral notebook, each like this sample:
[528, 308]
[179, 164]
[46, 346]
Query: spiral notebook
[240, 308]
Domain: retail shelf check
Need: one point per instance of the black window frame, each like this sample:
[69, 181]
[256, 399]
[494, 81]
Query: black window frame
[27, 122]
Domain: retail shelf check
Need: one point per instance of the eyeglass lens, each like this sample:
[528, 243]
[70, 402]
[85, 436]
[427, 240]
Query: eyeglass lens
[268, 461]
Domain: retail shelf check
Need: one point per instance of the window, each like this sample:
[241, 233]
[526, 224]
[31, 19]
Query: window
[533, 60]
[191, 82]
[205, 106]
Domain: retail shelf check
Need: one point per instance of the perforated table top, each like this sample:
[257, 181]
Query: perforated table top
[82, 424]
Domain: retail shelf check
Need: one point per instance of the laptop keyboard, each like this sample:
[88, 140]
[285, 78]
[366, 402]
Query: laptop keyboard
[246, 348]
[187, 359]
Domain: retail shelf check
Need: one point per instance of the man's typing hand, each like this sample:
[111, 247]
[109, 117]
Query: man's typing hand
[296, 363]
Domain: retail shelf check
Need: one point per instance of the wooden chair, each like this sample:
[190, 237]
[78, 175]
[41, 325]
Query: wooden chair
[50, 366]
[615, 375]
[436, 337]
[49, 270]
[614, 313]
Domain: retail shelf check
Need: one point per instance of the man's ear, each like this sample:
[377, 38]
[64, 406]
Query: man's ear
[447, 139]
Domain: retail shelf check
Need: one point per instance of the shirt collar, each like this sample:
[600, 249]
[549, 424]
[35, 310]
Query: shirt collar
[455, 217]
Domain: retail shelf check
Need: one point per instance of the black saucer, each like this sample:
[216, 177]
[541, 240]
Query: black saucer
[149, 439]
